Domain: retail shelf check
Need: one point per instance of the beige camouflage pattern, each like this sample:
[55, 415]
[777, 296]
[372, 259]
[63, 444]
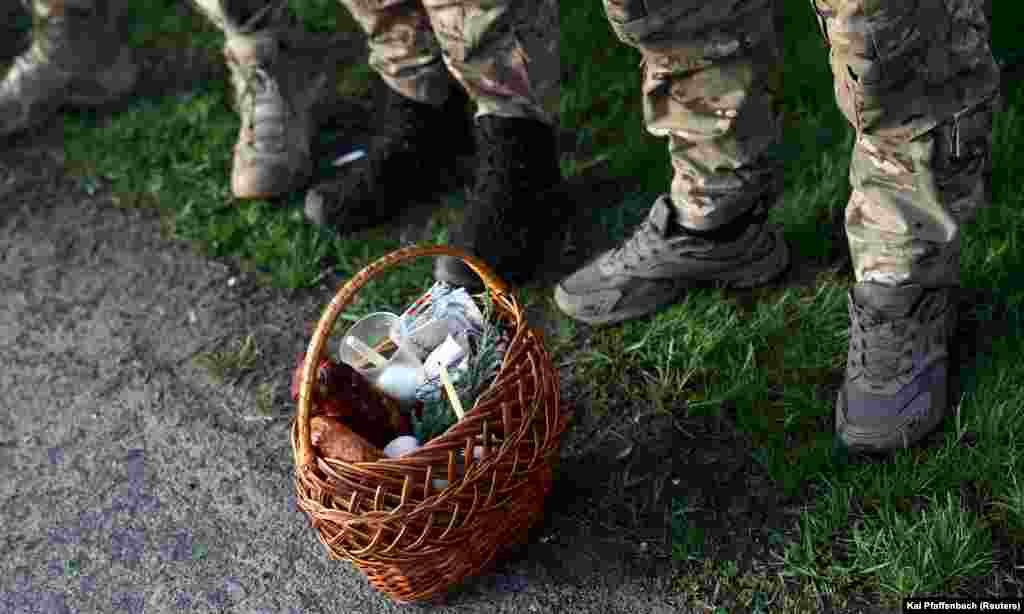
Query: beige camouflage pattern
[915, 78]
[504, 53]
[403, 48]
[711, 81]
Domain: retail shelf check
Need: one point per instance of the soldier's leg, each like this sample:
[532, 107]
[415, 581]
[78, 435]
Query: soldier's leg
[274, 94]
[77, 57]
[403, 48]
[711, 84]
[917, 80]
[504, 53]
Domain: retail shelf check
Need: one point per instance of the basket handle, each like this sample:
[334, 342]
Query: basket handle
[305, 457]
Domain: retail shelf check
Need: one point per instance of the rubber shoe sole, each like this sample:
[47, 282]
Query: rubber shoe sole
[864, 441]
[270, 182]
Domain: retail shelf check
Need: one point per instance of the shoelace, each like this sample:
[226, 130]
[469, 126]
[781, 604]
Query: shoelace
[642, 245]
[260, 83]
[883, 345]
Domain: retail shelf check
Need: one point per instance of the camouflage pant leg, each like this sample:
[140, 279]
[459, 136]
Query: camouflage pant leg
[403, 48]
[503, 52]
[711, 82]
[917, 80]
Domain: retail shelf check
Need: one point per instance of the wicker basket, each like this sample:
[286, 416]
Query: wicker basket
[412, 540]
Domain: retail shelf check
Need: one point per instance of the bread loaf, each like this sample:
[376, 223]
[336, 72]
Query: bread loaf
[335, 440]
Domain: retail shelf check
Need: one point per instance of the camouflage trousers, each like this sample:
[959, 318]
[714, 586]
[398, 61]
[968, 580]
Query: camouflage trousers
[915, 78]
[504, 53]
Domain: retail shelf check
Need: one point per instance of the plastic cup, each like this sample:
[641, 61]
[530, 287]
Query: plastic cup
[397, 373]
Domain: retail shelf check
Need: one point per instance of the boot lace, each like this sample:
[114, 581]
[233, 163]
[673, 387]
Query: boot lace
[883, 348]
[261, 89]
[644, 245]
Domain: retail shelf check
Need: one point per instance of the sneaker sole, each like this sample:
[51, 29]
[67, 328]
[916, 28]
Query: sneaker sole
[241, 192]
[863, 441]
[756, 274]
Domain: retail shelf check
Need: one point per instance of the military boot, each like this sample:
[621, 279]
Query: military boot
[513, 210]
[412, 156]
[274, 98]
[897, 369]
[77, 57]
[656, 265]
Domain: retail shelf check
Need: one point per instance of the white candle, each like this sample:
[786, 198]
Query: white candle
[452, 395]
[366, 351]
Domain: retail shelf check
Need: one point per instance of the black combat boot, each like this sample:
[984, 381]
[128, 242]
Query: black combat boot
[412, 157]
[514, 208]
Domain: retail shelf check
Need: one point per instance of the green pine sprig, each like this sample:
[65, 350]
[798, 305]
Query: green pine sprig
[438, 415]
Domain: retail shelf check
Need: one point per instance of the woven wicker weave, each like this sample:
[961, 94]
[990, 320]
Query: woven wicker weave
[412, 540]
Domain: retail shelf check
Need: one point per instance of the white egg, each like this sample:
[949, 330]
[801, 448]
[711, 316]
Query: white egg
[399, 381]
[400, 446]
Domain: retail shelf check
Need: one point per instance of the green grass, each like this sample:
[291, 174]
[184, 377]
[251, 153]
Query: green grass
[940, 520]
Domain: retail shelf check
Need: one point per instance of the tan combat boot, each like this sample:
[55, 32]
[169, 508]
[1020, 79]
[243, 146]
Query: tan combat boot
[77, 58]
[272, 156]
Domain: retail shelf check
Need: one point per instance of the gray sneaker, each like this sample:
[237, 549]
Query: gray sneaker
[660, 261]
[897, 369]
[76, 58]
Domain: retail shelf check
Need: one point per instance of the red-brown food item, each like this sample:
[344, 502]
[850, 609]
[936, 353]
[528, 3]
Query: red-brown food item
[335, 440]
[341, 392]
